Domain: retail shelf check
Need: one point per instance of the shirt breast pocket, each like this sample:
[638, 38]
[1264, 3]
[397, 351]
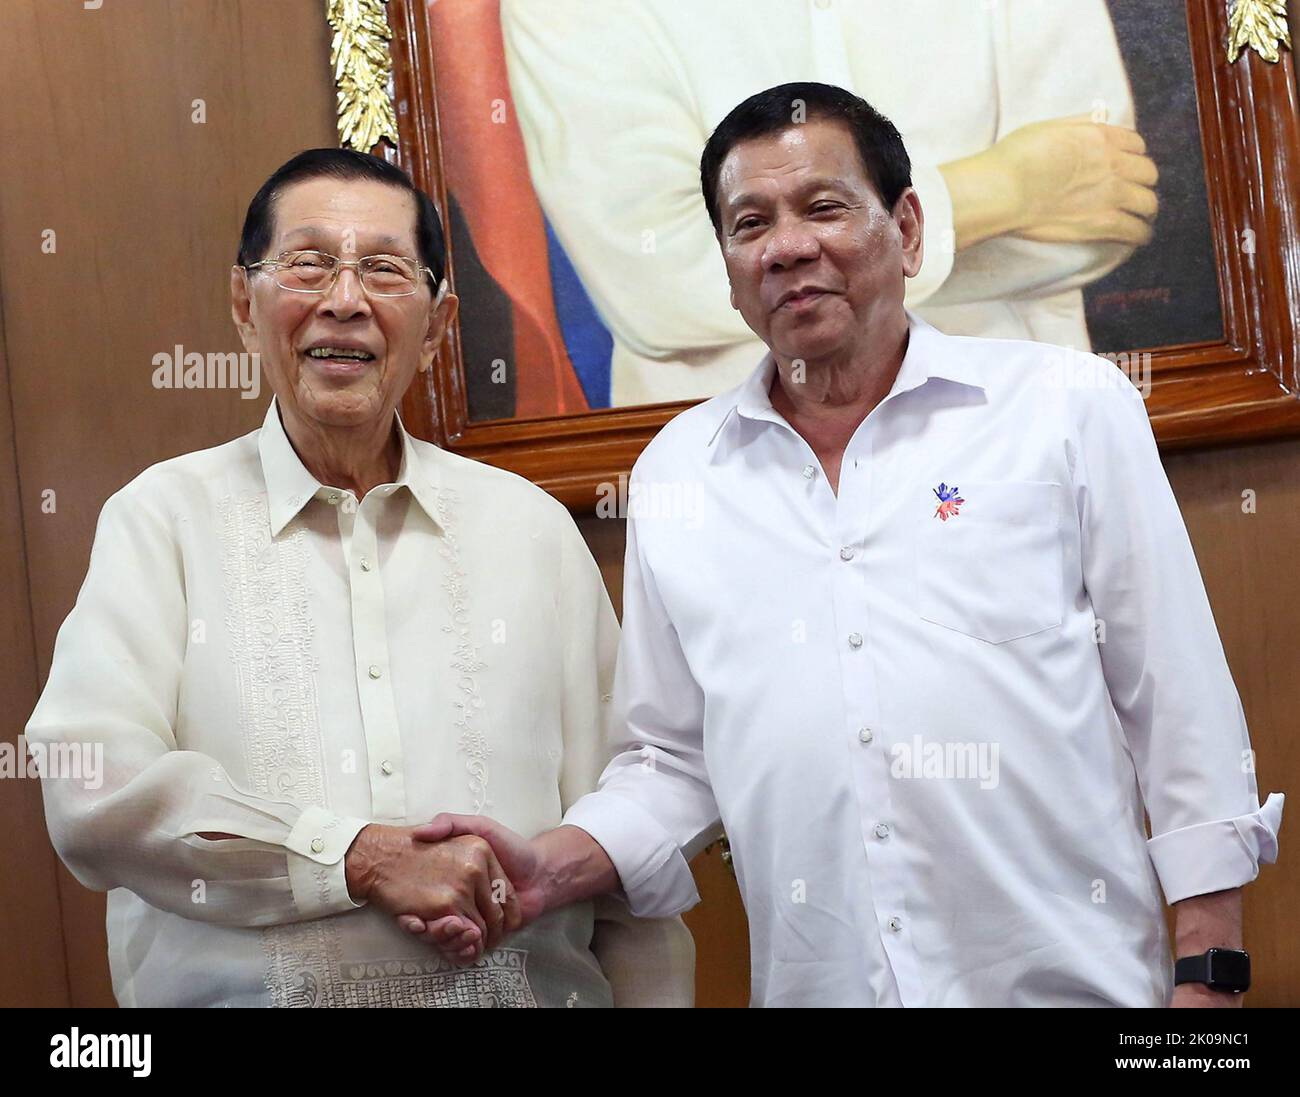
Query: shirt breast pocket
[993, 569]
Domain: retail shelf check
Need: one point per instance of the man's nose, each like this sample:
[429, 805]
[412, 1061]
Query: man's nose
[346, 299]
[790, 242]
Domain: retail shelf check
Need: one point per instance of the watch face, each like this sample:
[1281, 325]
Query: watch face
[1229, 969]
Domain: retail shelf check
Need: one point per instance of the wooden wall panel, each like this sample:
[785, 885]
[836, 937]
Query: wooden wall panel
[1250, 562]
[33, 969]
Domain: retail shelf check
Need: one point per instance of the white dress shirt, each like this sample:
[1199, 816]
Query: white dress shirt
[932, 774]
[616, 100]
[260, 655]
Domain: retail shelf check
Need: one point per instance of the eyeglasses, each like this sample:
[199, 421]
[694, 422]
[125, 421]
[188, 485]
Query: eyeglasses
[317, 271]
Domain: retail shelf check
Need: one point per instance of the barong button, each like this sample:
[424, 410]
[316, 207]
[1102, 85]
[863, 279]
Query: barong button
[809, 472]
[386, 768]
[375, 672]
[317, 845]
[864, 734]
[882, 830]
[855, 640]
[896, 924]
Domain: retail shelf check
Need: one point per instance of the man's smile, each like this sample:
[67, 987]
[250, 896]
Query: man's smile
[798, 300]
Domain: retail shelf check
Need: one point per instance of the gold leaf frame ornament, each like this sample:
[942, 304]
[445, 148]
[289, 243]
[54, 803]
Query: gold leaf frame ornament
[1259, 25]
[362, 70]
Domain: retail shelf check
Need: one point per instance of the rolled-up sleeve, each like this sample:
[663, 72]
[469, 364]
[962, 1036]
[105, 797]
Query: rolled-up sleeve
[138, 813]
[655, 876]
[1164, 664]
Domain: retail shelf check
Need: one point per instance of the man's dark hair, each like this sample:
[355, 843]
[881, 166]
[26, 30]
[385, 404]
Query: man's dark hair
[344, 165]
[774, 110]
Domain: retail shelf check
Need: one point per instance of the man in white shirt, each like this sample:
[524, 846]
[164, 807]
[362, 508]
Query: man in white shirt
[1018, 116]
[928, 641]
[294, 646]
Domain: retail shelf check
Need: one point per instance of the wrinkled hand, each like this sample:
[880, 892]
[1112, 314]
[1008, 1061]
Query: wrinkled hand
[457, 937]
[1076, 180]
[453, 876]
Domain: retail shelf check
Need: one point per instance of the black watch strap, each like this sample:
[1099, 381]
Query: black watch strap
[1226, 969]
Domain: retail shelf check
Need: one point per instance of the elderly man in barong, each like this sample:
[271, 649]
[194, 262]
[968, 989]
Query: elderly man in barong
[296, 646]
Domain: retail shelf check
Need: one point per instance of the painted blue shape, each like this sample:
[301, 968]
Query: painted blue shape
[587, 340]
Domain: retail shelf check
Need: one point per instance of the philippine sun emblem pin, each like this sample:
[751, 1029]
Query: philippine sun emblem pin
[949, 501]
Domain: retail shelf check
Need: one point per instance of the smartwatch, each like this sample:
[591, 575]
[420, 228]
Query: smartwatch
[1226, 969]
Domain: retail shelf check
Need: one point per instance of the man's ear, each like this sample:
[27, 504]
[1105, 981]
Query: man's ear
[911, 227]
[440, 319]
[241, 310]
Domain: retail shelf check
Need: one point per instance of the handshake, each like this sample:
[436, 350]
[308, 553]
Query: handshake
[462, 882]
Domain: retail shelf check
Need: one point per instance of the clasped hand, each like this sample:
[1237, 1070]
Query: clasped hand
[462, 882]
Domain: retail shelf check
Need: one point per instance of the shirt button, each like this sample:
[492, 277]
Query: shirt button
[882, 830]
[333, 497]
[365, 564]
[386, 768]
[896, 924]
[809, 472]
[855, 640]
[846, 553]
[865, 735]
[375, 672]
[317, 845]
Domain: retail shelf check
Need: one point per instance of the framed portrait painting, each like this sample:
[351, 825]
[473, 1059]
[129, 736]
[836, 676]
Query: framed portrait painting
[561, 140]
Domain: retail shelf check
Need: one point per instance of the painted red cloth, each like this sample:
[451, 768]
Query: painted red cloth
[487, 170]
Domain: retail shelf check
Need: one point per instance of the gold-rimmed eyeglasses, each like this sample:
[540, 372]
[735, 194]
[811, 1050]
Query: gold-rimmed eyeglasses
[317, 271]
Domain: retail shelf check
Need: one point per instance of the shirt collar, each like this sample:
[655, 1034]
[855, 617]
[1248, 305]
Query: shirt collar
[930, 355]
[289, 486]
